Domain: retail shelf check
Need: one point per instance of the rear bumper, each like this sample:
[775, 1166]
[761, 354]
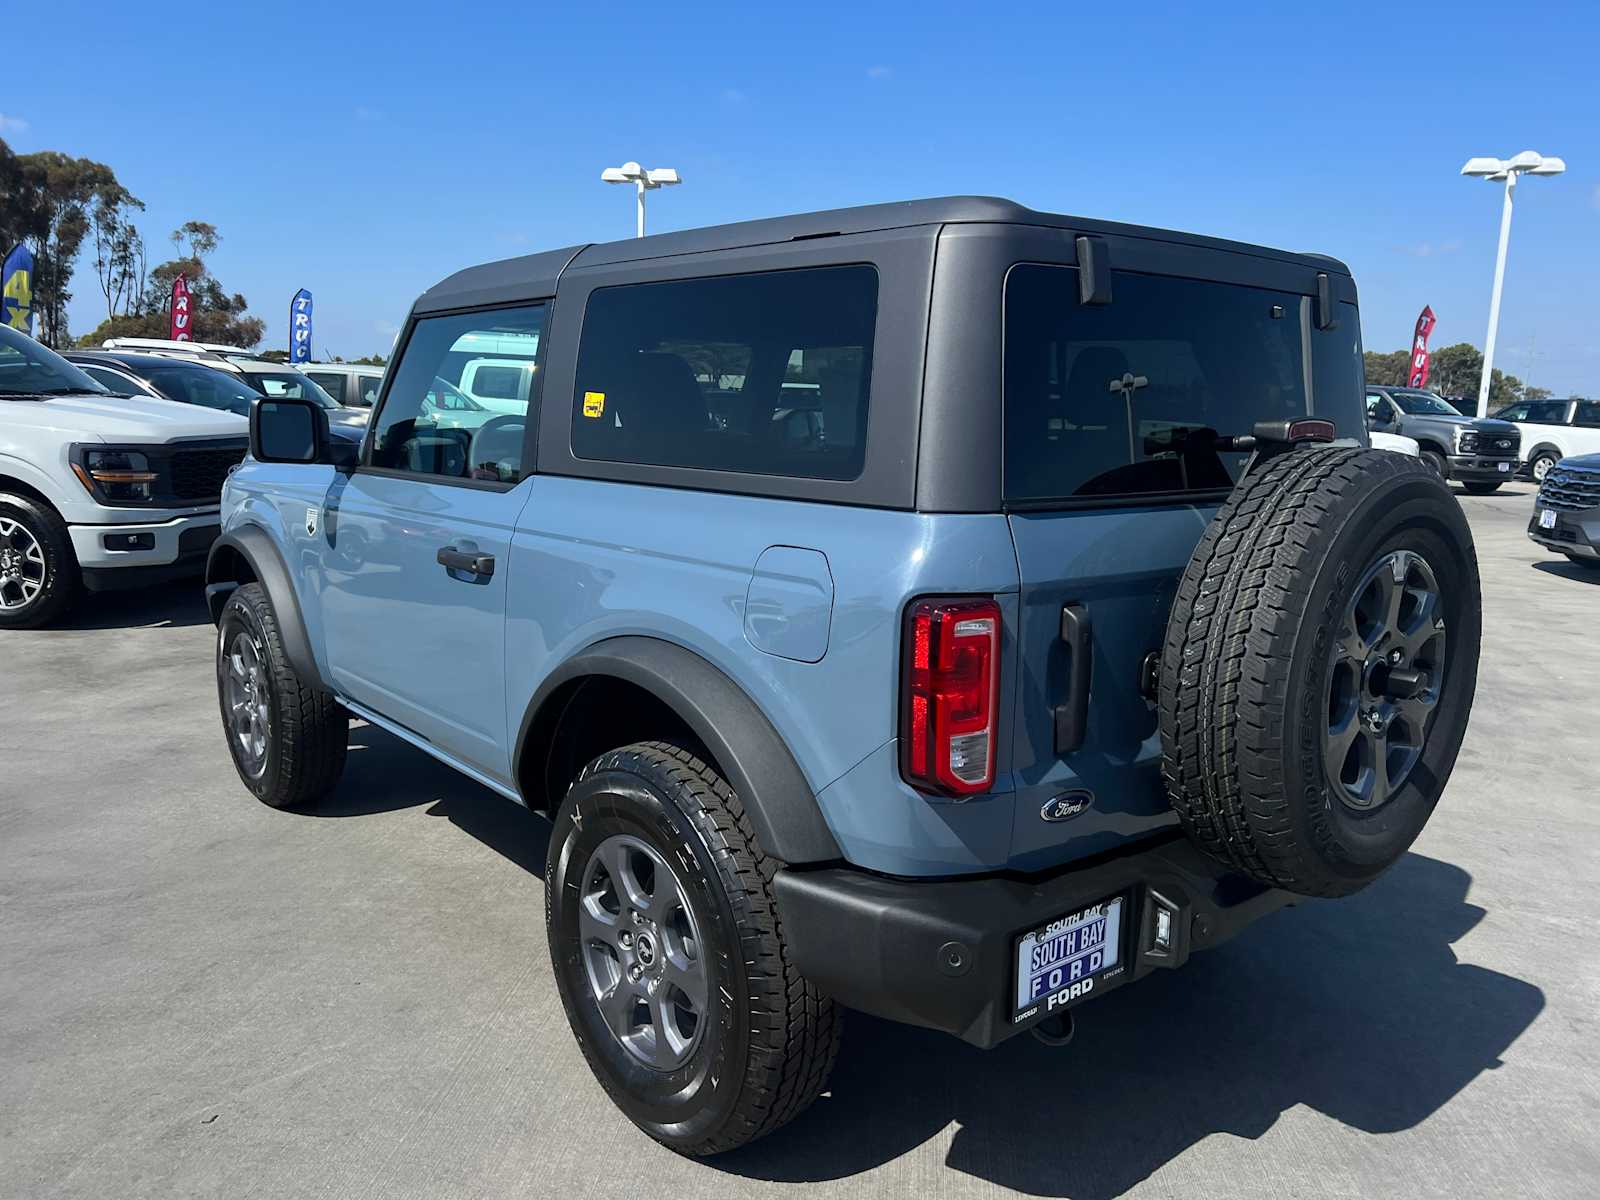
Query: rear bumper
[940, 954]
[1476, 468]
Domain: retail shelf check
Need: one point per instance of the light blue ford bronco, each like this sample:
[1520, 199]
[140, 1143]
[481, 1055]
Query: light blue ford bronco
[945, 610]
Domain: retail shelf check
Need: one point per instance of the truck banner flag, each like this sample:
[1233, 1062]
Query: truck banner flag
[300, 327]
[1419, 349]
[16, 290]
[180, 328]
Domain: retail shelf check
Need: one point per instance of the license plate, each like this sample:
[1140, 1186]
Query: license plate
[1547, 518]
[1504, 468]
[1059, 963]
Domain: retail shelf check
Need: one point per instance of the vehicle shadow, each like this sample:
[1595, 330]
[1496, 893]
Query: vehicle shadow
[1357, 1008]
[384, 774]
[1567, 569]
[163, 606]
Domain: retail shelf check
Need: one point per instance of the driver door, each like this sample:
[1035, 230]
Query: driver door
[417, 552]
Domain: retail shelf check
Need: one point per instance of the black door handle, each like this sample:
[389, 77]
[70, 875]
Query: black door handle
[1072, 717]
[466, 560]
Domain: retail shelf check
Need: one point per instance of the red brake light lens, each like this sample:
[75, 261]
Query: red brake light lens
[950, 695]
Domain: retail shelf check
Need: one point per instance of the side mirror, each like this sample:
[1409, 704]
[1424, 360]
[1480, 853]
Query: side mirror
[285, 429]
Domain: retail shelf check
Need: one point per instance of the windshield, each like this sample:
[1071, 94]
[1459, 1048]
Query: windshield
[28, 369]
[289, 383]
[1416, 403]
[203, 386]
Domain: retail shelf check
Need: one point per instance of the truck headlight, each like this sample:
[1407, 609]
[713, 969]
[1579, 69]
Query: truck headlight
[117, 476]
[1466, 439]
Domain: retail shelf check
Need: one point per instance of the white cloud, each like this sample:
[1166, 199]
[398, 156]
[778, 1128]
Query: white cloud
[10, 124]
[879, 72]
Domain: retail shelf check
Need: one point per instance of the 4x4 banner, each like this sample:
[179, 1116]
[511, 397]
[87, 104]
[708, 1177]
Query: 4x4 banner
[179, 327]
[1419, 349]
[300, 327]
[16, 290]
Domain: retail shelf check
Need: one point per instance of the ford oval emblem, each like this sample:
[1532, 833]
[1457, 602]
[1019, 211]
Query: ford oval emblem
[1066, 806]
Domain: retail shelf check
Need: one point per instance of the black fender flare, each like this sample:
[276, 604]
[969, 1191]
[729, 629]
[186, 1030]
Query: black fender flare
[255, 546]
[1539, 448]
[752, 755]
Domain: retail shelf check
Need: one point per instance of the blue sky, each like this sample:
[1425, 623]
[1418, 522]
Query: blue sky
[366, 152]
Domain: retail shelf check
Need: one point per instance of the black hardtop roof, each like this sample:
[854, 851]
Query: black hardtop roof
[535, 274]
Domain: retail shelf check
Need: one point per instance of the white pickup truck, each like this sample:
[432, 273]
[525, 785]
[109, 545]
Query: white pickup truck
[99, 491]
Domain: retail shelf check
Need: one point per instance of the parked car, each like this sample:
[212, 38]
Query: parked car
[1553, 430]
[184, 380]
[355, 385]
[1566, 514]
[937, 702]
[1481, 454]
[99, 491]
[264, 376]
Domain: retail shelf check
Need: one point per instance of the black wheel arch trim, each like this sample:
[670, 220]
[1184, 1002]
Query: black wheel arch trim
[750, 752]
[1539, 448]
[255, 545]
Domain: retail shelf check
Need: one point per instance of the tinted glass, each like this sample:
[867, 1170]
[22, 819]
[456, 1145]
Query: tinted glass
[112, 382]
[1422, 403]
[289, 383]
[766, 374]
[329, 382]
[29, 369]
[497, 383]
[207, 388]
[1588, 413]
[370, 385]
[430, 426]
[1125, 399]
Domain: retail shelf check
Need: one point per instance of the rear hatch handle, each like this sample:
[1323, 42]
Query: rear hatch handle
[1072, 716]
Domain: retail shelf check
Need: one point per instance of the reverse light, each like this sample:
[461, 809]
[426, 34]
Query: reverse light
[950, 695]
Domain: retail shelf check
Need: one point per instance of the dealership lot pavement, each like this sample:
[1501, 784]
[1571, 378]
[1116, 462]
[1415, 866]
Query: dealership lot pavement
[200, 996]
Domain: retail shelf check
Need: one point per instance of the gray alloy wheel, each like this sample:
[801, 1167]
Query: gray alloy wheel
[1385, 680]
[642, 952]
[22, 566]
[1541, 467]
[246, 694]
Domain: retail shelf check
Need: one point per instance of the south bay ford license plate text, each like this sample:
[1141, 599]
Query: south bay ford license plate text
[1057, 964]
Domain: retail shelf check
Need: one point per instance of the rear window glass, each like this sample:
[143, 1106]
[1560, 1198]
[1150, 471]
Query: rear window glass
[766, 374]
[1125, 399]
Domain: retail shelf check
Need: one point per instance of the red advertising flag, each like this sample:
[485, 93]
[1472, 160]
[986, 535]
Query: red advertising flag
[1419, 349]
[178, 329]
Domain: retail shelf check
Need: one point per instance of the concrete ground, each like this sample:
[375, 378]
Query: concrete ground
[200, 996]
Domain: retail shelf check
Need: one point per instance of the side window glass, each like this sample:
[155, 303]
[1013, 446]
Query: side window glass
[110, 379]
[1588, 414]
[370, 385]
[331, 383]
[766, 374]
[432, 422]
[1376, 408]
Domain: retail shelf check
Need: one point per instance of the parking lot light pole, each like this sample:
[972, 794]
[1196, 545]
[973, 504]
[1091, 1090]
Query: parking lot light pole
[1529, 162]
[644, 181]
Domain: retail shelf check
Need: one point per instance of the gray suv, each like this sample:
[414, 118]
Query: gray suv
[1480, 454]
[944, 610]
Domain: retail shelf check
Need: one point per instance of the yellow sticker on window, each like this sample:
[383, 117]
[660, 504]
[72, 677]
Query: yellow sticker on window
[594, 404]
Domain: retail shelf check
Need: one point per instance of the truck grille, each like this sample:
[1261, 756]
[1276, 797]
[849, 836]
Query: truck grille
[1495, 445]
[198, 475]
[1571, 488]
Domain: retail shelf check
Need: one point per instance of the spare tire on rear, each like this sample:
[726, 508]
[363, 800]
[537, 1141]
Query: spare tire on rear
[1319, 667]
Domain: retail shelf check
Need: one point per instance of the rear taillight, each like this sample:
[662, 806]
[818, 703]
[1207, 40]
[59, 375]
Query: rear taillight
[950, 695]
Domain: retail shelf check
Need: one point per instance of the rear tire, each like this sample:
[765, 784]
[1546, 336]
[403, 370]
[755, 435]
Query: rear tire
[1295, 748]
[1541, 464]
[288, 737]
[762, 1040]
[39, 575]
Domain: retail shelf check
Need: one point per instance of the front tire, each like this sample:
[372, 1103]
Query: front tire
[1437, 463]
[1541, 464]
[1483, 488]
[288, 737]
[39, 575]
[670, 956]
